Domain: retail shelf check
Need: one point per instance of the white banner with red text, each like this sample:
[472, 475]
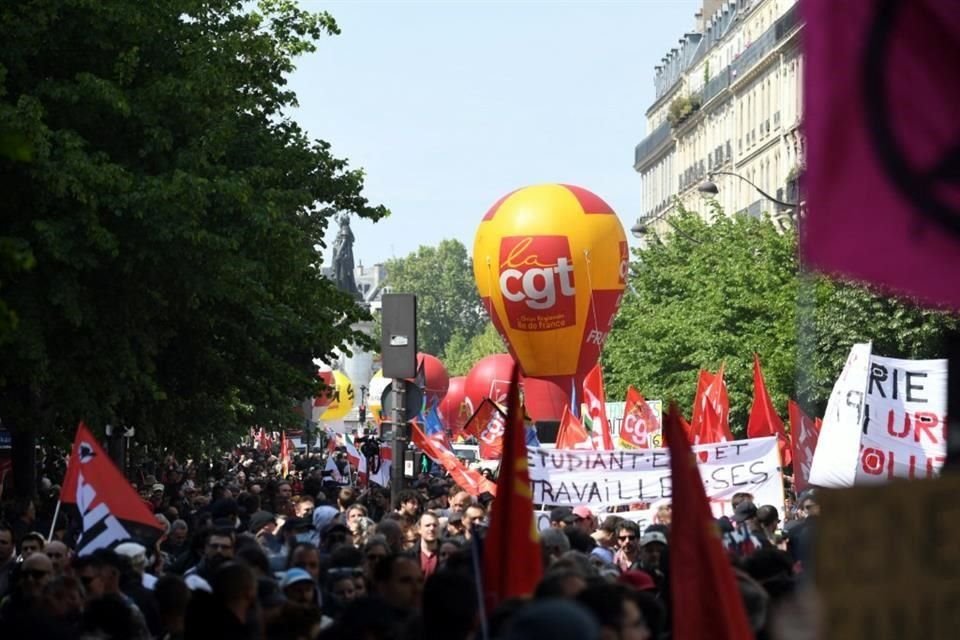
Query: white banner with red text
[602, 479]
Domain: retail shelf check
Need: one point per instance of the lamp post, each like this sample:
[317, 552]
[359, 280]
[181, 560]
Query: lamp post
[709, 187]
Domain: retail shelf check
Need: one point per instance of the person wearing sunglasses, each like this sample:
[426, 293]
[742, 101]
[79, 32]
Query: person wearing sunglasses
[628, 547]
[20, 611]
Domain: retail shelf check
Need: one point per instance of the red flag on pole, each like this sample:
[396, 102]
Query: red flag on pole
[702, 584]
[512, 564]
[467, 479]
[112, 511]
[711, 410]
[639, 422]
[764, 420]
[805, 432]
[487, 424]
[572, 434]
[595, 398]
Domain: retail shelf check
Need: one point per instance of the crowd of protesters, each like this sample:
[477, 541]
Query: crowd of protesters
[246, 553]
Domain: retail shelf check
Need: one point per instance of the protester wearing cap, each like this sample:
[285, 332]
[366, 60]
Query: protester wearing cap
[584, 519]
[455, 524]
[262, 523]
[562, 517]
[742, 540]
[299, 587]
[653, 548]
[137, 555]
[638, 580]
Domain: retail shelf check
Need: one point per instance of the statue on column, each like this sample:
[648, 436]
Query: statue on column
[343, 258]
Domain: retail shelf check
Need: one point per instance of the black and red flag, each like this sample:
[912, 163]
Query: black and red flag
[111, 510]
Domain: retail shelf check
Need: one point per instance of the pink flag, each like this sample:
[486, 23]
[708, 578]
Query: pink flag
[883, 144]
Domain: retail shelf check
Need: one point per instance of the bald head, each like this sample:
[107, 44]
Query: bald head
[461, 501]
[59, 555]
[37, 562]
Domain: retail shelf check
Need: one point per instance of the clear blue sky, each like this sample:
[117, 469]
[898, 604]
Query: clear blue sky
[450, 105]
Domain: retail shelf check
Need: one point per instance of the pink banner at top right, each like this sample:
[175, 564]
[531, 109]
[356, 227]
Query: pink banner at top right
[882, 121]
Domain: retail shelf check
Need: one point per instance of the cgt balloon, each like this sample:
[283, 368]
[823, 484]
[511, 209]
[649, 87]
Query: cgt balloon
[436, 380]
[454, 411]
[341, 398]
[550, 262]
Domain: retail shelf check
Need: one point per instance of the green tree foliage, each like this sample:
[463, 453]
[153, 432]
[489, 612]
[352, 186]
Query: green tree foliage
[719, 292]
[447, 302]
[172, 209]
[462, 353]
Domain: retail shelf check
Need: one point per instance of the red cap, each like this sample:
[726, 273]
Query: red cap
[639, 580]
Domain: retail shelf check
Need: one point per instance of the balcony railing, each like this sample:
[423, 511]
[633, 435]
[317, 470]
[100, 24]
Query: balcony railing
[657, 138]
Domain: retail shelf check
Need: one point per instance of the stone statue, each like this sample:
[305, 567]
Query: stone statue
[343, 258]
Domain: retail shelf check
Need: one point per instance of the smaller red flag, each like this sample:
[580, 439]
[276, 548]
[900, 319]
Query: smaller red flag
[572, 434]
[112, 511]
[805, 432]
[595, 397]
[512, 564]
[702, 583]
[764, 421]
[711, 410]
[639, 422]
[487, 424]
[467, 479]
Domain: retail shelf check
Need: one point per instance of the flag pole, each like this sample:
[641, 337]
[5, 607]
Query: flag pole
[53, 522]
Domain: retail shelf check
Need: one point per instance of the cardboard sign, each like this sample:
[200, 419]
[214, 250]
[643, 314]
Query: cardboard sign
[601, 479]
[905, 420]
[879, 579]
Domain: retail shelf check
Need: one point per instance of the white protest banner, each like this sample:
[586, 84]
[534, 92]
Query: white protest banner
[643, 517]
[904, 429]
[600, 479]
[835, 460]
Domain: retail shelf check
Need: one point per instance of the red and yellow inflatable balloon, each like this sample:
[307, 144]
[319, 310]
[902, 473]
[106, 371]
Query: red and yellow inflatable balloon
[550, 262]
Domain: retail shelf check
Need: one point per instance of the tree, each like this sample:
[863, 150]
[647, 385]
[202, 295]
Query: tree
[715, 293]
[172, 210]
[447, 302]
[462, 353]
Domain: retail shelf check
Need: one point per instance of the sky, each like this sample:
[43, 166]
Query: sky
[447, 106]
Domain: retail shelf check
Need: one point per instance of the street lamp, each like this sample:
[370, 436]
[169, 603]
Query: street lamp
[709, 188]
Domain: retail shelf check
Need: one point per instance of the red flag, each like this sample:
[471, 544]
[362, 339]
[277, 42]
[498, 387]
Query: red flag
[711, 410]
[805, 432]
[487, 424]
[880, 169]
[572, 434]
[764, 420]
[702, 583]
[639, 424]
[112, 511]
[284, 455]
[467, 479]
[512, 564]
[595, 398]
